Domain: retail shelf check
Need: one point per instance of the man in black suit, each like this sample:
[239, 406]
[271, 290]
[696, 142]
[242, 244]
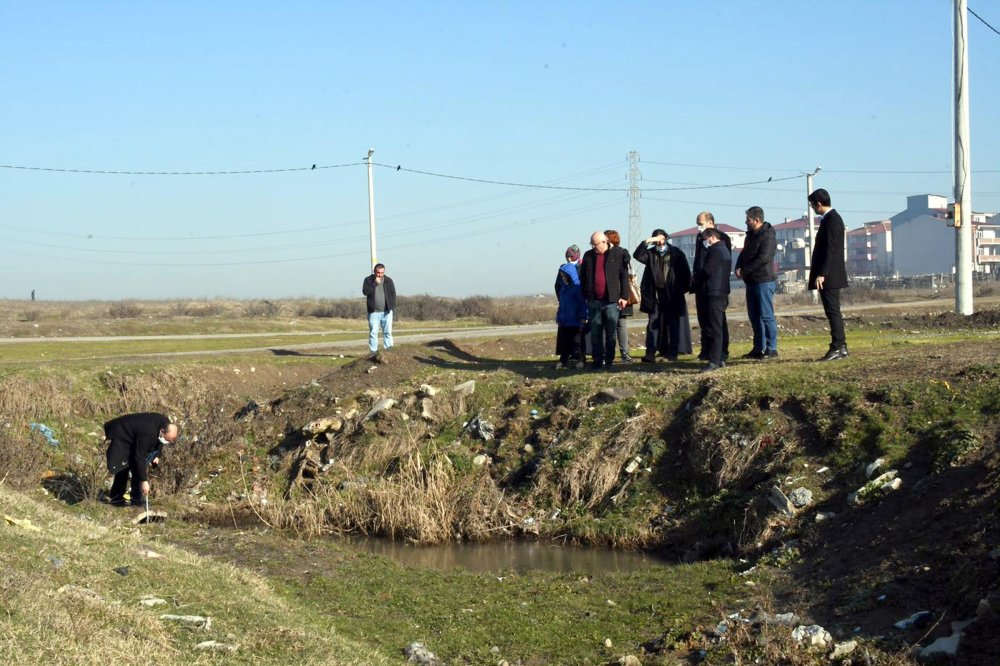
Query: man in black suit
[604, 277]
[711, 281]
[135, 444]
[706, 220]
[828, 272]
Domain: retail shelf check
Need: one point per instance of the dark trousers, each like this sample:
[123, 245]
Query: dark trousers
[715, 327]
[118, 486]
[569, 344]
[701, 308]
[831, 306]
[663, 333]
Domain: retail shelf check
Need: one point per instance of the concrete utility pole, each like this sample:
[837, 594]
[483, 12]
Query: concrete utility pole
[811, 216]
[963, 165]
[634, 217]
[371, 207]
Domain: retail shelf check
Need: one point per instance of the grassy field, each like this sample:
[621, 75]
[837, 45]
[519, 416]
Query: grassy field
[919, 392]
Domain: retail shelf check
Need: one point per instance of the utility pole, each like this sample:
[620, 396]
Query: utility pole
[963, 165]
[634, 217]
[811, 216]
[371, 207]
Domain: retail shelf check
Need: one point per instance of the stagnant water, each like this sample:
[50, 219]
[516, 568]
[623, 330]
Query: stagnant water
[509, 556]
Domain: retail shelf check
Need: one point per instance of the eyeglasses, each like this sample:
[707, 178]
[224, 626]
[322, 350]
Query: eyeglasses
[603, 242]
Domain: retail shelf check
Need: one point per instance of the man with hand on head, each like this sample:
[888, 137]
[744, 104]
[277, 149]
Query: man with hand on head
[380, 299]
[135, 444]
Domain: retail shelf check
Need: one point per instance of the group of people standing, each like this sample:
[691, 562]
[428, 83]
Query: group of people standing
[595, 293]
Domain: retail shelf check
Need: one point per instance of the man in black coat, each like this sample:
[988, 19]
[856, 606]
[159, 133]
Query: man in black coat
[755, 266]
[604, 277]
[135, 443]
[706, 220]
[711, 280]
[380, 299]
[828, 271]
[663, 287]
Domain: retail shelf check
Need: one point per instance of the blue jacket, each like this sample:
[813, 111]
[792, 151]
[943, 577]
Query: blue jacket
[572, 307]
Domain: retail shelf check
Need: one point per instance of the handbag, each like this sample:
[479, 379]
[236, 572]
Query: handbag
[634, 295]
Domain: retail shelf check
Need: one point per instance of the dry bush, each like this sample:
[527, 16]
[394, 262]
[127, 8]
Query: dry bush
[187, 309]
[474, 306]
[262, 309]
[45, 397]
[334, 309]
[22, 458]
[520, 312]
[31, 315]
[124, 310]
[426, 308]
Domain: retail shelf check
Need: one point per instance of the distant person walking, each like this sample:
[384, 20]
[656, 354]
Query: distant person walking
[711, 281]
[755, 267]
[380, 292]
[706, 220]
[665, 281]
[616, 240]
[32, 295]
[604, 278]
[828, 272]
[135, 444]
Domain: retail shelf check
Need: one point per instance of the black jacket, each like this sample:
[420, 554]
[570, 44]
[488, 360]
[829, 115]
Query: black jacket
[615, 272]
[135, 441]
[678, 277]
[368, 289]
[828, 255]
[699, 249]
[756, 260]
[712, 278]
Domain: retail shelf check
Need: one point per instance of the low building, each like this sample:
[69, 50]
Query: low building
[869, 249]
[924, 238]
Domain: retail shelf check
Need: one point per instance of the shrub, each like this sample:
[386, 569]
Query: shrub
[474, 306]
[426, 308]
[334, 309]
[262, 309]
[185, 309]
[31, 315]
[124, 310]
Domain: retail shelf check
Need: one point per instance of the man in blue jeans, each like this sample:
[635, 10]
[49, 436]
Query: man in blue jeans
[755, 267]
[604, 278]
[380, 293]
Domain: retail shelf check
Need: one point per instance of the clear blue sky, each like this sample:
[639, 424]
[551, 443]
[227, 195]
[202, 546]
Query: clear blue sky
[545, 93]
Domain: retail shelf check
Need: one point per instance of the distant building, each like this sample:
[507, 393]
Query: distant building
[685, 240]
[924, 238]
[793, 239]
[869, 249]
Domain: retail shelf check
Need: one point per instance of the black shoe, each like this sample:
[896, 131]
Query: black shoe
[671, 357]
[627, 359]
[835, 354]
[702, 357]
[770, 354]
[753, 355]
[648, 359]
[597, 365]
[713, 366]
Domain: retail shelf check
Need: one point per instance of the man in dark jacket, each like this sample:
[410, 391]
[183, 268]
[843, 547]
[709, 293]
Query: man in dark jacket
[380, 295]
[711, 280]
[604, 277]
[706, 220]
[828, 271]
[664, 284]
[755, 267]
[135, 443]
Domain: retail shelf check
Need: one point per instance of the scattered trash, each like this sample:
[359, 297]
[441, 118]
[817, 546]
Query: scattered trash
[122, 571]
[918, 620]
[193, 621]
[45, 431]
[812, 634]
[419, 654]
[480, 428]
[150, 602]
[215, 646]
[872, 467]
[24, 523]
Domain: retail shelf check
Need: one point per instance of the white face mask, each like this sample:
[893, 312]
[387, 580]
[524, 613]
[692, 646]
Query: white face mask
[701, 228]
[706, 244]
[163, 440]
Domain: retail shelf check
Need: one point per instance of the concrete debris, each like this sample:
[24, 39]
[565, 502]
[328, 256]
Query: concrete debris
[823, 470]
[883, 483]
[872, 467]
[428, 391]
[612, 394]
[918, 620]
[841, 650]
[215, 646]
[608, 643]
[946, 645]
[801, 497]
[781, 502]
[322, 425]
[379, 407]
[426, 412]
[829, 515]
[629, 660]
[781, 619]
[812, 634]
[481, 459]
[192, 621]
[150, 602]
[419, 654]
[633, 465]
[465, 389]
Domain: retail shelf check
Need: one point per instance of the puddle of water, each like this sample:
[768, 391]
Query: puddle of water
[510, 556]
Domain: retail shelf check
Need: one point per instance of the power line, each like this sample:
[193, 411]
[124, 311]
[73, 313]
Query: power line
[577, 189]
[983, 20]
[743, 168]
[106, 172]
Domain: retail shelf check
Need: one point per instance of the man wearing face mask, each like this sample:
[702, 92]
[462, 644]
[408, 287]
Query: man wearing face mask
[663, 287]
[711, 280]
[705, 221]
[135, 444]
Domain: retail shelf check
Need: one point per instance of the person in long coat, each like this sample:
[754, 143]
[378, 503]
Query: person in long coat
[828, 272]
[665, 281]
